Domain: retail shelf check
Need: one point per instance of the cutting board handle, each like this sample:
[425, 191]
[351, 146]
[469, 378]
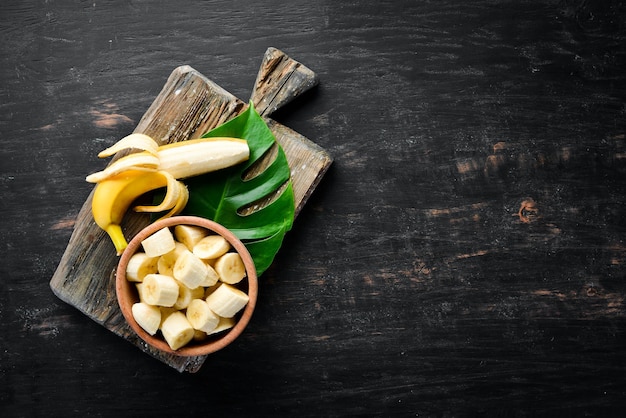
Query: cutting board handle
[280, 80]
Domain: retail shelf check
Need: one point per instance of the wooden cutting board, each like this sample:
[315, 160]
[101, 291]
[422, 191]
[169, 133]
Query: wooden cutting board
[188, 106]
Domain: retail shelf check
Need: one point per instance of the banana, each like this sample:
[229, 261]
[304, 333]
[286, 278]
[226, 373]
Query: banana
[186, 295]
[139, 265]
[133, 175]
[189, 235]
[211, 247]
[177, 330]
[112, 199]
[190, 270]
[224, 324]
[227, 300]
[160, 290]
[147, 316]
[159, 243]
[198, 156]
[230, 268]
[165, 263]
[201, 317]
[143, 162]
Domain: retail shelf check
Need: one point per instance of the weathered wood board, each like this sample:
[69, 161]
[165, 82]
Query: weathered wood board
[188, 106]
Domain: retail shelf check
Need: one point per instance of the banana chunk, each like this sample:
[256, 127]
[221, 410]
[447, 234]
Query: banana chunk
[177, 330]
[159, 243]
[147, 316]
[189, 235]
[160, 290]
[230, 268]
[190, 270]
[227, 300]
[201, 317]
[211, 247]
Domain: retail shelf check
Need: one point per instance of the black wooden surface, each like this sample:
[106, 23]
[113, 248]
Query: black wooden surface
[464, 255]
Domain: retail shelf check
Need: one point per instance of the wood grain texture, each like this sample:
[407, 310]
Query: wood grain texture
[279, 81]
[463, 256]
[188, 106]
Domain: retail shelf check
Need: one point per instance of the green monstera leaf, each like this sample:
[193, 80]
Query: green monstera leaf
[221, 196]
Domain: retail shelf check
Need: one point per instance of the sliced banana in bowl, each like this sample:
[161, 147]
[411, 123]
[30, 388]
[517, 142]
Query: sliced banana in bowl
[186, 285]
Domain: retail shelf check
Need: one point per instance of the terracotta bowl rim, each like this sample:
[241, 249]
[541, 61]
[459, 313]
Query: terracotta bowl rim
[123, 288]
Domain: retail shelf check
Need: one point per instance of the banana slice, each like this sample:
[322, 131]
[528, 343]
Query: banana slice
[147, 316]
[177, 330]
[230, 268]
[211, 246]
[160, 290]
[223, 325]
[189, 235]
[227, 300]
[186, 295]
[190, 270]
[201, 317]
[139, 265]
[159, 243]
[165, 263]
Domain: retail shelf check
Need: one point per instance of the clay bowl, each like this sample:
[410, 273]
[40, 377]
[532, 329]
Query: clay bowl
[127, 293]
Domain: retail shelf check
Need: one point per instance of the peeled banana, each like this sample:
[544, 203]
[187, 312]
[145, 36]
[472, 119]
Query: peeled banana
[154, 167]
[181, 295]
